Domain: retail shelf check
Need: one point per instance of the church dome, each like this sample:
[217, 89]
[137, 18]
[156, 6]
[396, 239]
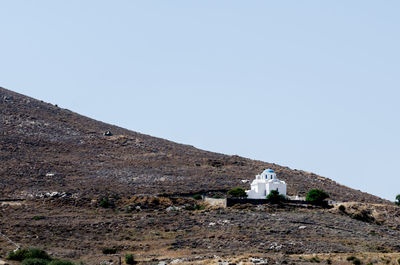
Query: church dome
[269, 171]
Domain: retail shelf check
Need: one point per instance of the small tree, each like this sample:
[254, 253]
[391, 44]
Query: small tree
[316, 196]
[397, 201]
[275, 197]
[130, 259]
[197, 197]
[238, 193]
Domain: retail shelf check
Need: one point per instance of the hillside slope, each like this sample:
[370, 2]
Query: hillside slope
[44, 148]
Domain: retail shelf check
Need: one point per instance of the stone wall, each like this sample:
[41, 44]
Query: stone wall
[215, 202]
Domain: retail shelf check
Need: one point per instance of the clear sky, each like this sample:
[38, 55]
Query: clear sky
[313, 85]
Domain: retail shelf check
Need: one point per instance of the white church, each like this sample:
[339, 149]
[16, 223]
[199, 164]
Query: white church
[264, 183]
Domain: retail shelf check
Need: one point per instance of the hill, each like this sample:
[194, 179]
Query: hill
[104, 187]
[45, 148]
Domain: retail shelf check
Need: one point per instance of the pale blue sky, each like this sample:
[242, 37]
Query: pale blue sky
[313, 85]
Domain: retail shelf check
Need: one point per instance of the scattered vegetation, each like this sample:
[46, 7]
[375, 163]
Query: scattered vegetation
[28, 253]
[130, 259]
[237, 193]
[34, 256]
[397, 201]
[316, 196]
[37, 218]
[275, 197]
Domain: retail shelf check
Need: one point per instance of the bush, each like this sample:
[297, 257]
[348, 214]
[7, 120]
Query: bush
[105, 202]
[197, 197]
[238, 193]
[397, 201]
[109, 251]
[35, 261]
[342, 208]
[365, 216]
[61, 262]
[316, 196]
[129, 259]
[275, 197]
[355, 260]
[315, 259]
[28, 253]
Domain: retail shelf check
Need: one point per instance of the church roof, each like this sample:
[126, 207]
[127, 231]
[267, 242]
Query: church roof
[268, 170]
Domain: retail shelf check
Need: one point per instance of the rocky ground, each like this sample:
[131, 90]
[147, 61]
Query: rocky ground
[157, 232]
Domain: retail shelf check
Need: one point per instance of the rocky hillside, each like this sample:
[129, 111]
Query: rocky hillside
[44, 148]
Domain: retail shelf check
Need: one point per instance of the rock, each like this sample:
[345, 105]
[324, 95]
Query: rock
[108, 133]
[176, 261]
[106, 262]
[172, 208]
[212, 224]
[302, 227]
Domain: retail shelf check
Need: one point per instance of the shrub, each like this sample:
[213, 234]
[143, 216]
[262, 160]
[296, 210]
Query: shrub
[197, 197]
[351, 258]
[397, 201]
[364, 215]
[37, 218]
[275, 197]
[238, 192]
[19, 255]
[155, 201]
[316, 196]
[35, 261]
[129, 259]
[105, 202]
[61, 262]
[342, 208]
[398, 261]
[315, 259]
[109, 251]
[28, 253]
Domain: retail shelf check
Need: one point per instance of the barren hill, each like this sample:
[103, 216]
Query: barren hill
[45, 148]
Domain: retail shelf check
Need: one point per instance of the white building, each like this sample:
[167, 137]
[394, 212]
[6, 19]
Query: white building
[264, 184]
